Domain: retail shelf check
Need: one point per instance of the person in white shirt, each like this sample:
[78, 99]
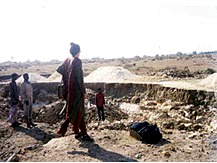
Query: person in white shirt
[27, 100]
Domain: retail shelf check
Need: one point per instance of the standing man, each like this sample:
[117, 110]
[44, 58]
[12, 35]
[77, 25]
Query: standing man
[100, 102]
[72, 75]
[14, 100]
[27, 100]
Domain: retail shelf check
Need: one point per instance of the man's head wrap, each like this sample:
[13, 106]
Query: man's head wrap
[75, 49]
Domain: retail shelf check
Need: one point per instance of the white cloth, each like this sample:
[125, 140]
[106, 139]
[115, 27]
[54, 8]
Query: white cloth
[27, 95]
[26, 92]
[12, 117]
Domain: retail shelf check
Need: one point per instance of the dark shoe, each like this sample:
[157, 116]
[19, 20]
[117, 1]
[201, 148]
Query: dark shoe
[33, 124]
[17, 123]
[14, 125]
[87, 138]
[77, 135]
[29, 126]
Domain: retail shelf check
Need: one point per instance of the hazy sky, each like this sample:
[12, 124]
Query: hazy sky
[43, 29]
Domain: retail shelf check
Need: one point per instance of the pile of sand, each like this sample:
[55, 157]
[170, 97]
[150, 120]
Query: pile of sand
[110, 74]
[55, 77]
[210, 82]
[103, 74]
[33, 78]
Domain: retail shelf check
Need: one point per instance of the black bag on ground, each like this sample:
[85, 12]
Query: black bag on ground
[150, 134]
[146, 132]
[138, 125]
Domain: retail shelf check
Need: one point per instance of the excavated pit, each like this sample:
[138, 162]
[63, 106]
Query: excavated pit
[171, 108]
[149, 91]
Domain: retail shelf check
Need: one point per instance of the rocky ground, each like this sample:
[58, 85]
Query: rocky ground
[188, 133]
[109, 146]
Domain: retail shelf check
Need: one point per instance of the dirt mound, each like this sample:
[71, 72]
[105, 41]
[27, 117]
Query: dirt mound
[33, 78]
[110, 74]
[210, 82]
[49, 113]
[102, 74]
[55, 77]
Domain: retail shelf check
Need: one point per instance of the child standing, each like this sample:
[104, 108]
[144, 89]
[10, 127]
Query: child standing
[100, 102]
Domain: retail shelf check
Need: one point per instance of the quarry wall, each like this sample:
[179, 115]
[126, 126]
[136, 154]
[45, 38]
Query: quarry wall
[148, 91]
[161, 93]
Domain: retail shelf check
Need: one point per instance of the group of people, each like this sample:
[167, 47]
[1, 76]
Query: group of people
[24, 95]
[74, 94]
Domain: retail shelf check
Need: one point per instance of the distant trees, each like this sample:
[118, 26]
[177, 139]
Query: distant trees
[137, 58]
[194, 52]
[179, 53]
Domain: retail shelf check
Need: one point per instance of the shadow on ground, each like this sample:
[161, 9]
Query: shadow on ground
[97, 152]
[36, 133]
[160, 143]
